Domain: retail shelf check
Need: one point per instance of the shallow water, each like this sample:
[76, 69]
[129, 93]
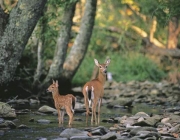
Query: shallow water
[52, 131]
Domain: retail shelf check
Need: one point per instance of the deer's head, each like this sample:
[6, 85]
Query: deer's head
[53, 87]
[102, 67]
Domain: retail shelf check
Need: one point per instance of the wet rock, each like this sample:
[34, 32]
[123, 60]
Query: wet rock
[130, 127]
[34, 101]
[134, 131]
[40, 113]
[46, 109]
[1, 120]
[79, 105]
[60, 138]
[129, 121]
[145, 134]
[31, 120]
[110, 120]
[6, 111]
[69, 132]
[8, 125]
[175, 129]
[41, 138]
[101, 130]
[43, 121]
[109, 136]
[165, 120]
[81, 138]
[177, 113]
[22, 112]
[22, 101]
[167, 138]
[22, 126]
[1, 132]
[151, 121]
[141, 114]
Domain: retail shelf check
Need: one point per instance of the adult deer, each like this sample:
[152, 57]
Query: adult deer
[61, 102]
[93, 92]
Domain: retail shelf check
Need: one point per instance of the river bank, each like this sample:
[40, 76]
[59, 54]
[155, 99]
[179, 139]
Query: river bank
[134, 110]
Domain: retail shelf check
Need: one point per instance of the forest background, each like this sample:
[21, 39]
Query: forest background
[44, 40]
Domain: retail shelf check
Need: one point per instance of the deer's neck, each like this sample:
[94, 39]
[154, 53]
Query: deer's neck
[55, 94]
[102, 78]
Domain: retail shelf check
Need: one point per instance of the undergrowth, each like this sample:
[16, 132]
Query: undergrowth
[124, 67]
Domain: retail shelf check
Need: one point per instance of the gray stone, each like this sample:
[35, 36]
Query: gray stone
[109, 136]
[142, 114]
[6, 111]
[1, 120]
[69, 132]
[8, 124]
[136, 130]
[81, 138]
[22, 126]
[151, 121]
[47, 109]
[1, 132]
[101, 130]
[43, 121]
[167, 138]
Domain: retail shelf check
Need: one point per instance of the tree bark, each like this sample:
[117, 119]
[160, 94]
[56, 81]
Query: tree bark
[22, 21]
[173, 32]
[40, 51]
[153, 29]
[62, 45]
[82, 40]
[3, 21]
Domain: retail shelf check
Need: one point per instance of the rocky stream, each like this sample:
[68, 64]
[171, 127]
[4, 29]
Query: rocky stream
[130, 111]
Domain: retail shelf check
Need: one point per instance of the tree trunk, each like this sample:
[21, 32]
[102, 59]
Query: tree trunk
[3, 21]
[40, 51]
[62, 45]
[64, 73]
[22, 21]
[80, 46]
[173, 32]
[82, 40]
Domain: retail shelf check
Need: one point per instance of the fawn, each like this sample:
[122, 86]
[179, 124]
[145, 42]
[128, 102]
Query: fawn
[93, 92]
[62, 102]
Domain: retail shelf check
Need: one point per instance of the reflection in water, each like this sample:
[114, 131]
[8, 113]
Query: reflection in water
[51, 130]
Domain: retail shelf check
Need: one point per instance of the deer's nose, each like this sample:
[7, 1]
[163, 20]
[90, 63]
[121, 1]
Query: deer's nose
[105, 71]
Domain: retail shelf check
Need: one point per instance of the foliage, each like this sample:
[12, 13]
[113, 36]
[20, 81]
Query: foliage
[84, 72]
[124, 67]
[122, 46]
[166, 9]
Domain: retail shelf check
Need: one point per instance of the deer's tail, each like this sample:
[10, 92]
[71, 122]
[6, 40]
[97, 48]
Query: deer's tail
[90, 94]
[73, 103]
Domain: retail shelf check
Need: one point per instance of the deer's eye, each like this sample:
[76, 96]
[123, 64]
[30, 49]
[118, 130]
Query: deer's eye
[100, 67]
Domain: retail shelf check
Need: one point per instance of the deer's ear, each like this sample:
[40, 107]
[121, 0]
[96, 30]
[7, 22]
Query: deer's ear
[96, 62]
[108, 61]
[53, 81]
[57, 83]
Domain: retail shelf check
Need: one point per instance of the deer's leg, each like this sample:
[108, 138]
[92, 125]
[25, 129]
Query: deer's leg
[87, 109]
[59, 116]
[99, 109]
[62, 115]
[70, 114]
[95, 116]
